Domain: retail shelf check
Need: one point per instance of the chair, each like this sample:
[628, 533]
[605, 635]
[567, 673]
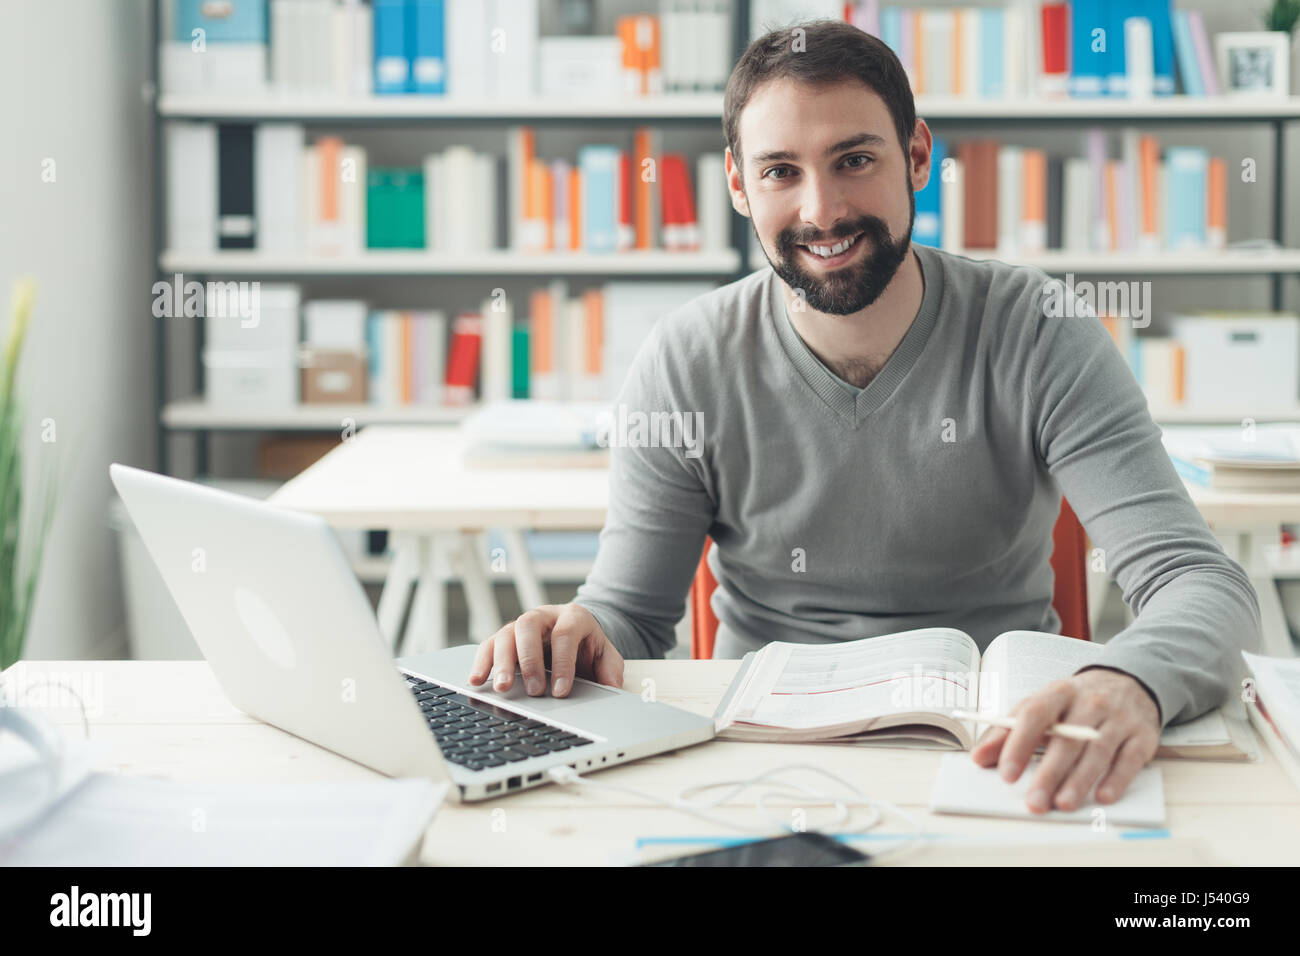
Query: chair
[1069, 597]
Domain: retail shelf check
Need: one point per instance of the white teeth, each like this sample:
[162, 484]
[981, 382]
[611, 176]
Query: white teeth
[827, 251]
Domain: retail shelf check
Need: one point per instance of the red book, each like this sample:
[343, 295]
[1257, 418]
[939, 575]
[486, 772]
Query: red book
[1056, 39]
[462, 358]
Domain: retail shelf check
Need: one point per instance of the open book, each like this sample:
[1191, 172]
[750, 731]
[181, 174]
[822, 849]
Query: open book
[901, 689]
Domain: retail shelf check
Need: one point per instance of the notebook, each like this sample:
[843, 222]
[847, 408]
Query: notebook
[964, 787]
[900, 689]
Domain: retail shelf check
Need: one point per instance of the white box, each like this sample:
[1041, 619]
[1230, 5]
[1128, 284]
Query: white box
[335, 323]
[1239, 360]
[271, 322]
[580, 67]
[247, 378]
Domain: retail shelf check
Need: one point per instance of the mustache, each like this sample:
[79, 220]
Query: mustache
[873, 227]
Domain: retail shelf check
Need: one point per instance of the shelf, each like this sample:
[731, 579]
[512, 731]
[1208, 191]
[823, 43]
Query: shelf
[1192, 262]
[195, 413]
[702, 106]
[1256, 108]
[278, 106]
[422, 262]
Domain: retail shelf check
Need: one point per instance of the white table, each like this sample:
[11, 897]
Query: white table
[1248, 525]
[169, 719]
[411, 481]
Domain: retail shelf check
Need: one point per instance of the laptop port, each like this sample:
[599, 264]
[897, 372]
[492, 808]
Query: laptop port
[533, 777]
[494, 787]
[514, 783]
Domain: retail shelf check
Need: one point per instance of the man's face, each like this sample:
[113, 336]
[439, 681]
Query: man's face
[823, 165]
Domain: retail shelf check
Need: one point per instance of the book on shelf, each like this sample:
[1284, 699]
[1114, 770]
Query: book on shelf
[986, 194]
[1028, 49]
[901, 689]
[267, 187]
[458, 49]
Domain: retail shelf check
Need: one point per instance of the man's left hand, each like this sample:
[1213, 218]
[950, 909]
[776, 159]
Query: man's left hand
[1114, 703]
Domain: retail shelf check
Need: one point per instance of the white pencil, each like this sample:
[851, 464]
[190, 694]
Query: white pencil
[1072, 731]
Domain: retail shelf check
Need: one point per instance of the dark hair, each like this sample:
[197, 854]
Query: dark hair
[832, 51]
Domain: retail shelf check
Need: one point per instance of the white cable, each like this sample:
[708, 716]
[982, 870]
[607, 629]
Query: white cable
[686, 801]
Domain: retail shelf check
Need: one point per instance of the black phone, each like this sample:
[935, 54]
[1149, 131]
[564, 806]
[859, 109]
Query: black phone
[795, 849]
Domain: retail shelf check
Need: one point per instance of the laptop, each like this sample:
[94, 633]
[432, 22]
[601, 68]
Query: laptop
[282, 619]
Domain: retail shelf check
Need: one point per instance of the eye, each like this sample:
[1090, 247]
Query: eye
[866, 160]
[774, 169]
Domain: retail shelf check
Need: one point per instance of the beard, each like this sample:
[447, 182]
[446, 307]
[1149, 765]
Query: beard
[854, 286]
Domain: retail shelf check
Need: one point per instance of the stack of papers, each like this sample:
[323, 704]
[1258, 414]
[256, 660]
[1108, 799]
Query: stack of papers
[529, 433]
[1237, 458]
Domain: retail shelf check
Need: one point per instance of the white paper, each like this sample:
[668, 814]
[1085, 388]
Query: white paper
[117, 820]
[964, 787]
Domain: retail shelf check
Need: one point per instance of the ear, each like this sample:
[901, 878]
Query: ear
[738, 200]
[918, 154]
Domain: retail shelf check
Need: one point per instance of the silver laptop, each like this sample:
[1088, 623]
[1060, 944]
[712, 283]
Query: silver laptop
[292, 639]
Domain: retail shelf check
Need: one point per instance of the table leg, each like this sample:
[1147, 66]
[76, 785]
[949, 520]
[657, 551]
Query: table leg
[484, 616]
[402, 572]
[527, 583]
[427, 630]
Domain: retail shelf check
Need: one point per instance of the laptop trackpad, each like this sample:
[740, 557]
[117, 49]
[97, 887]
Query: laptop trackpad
[582, 692]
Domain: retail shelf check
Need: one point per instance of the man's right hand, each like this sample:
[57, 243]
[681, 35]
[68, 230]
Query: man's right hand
[575, 642]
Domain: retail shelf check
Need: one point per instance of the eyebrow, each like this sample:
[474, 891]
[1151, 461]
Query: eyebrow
[861, 139]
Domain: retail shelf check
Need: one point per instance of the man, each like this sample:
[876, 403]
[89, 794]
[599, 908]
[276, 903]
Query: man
[903, 423]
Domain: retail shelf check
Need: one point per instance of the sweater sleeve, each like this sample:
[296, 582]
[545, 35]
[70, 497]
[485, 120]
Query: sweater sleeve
[1195, 609]
[659, 514]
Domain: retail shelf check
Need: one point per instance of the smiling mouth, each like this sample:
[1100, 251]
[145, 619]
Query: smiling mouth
[831, 252]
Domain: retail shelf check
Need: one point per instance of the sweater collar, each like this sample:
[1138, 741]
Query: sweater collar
[855, 409]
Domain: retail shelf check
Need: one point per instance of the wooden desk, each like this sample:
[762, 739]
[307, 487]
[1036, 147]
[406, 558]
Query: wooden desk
[170, 719]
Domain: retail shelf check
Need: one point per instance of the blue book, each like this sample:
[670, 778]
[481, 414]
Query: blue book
[1188, 67]
[928, 227]
[428, 55]
[1115, 12]
[992, 79]
[374, 353]
[1088, 67]
[598, 173]
[235, 21]
[1160, 15]
[891, 27]
[1186, 173]
[392, 61]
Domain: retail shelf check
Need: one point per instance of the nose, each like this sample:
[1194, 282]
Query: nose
[823, 205]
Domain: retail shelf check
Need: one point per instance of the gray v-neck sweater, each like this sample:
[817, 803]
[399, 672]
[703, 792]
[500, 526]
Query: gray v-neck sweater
[926, 499]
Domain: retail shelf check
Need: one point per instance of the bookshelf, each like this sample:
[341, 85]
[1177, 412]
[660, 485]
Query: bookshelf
[698, 111]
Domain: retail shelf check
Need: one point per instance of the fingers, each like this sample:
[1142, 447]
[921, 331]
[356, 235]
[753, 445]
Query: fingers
[572, 630]
[607, 664]
[1132, 757]
[531, 629]
[478, 671]
[1033, 716]
[987, 751]
[1063, 757]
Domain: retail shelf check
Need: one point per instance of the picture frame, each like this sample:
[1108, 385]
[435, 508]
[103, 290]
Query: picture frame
[1254, 63]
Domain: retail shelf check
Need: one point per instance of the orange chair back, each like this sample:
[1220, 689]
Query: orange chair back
[1069, 597]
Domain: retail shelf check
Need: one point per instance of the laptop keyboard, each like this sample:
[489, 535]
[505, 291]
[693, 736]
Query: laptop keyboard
[476, 735]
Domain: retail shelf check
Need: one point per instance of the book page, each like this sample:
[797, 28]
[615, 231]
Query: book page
[1018, 663]
[802, 686]
[1277, 682]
